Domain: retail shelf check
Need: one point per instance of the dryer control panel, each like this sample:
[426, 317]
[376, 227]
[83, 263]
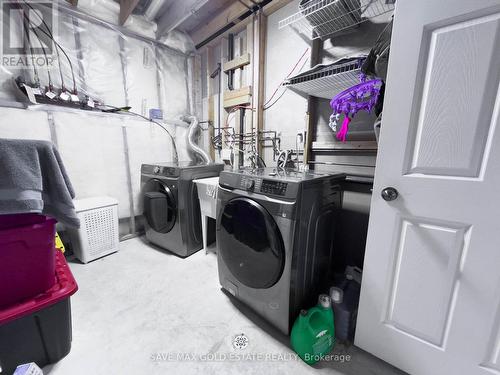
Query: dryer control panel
[159, 170]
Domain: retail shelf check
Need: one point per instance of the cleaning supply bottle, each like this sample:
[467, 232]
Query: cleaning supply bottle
[345, 299]
[313, 333]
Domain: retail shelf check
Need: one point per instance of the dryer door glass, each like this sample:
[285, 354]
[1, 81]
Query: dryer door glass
[159, 206]
[251, 244]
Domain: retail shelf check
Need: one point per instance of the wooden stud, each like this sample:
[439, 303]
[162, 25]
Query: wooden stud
[211, 132]
[249, 76]
[210, 100]
[259, 50]
[237, 62]
[239, 100]
[231, 94]
[126, 9]
[225, 123]
[275, 5]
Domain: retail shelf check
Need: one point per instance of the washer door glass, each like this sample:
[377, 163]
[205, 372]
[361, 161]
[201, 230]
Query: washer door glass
[159, 206]
[251, 244]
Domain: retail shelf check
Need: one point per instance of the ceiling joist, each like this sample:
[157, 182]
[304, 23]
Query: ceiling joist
[229, 20]
[177, 14]
[126, 9]
[225, 17]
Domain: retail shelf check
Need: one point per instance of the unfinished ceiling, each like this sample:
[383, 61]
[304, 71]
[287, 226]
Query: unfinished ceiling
[190, 16]
[187, 15]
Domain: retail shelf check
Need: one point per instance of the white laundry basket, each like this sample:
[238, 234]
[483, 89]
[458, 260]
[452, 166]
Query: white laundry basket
[98, 234]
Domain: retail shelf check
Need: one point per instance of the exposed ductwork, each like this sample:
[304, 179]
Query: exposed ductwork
[195, 152]
[153, 9]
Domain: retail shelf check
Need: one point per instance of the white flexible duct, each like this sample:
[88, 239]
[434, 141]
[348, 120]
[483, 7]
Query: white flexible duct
[153, 9]
[195, 152]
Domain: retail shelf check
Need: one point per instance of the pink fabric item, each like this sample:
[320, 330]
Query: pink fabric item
[342, 133]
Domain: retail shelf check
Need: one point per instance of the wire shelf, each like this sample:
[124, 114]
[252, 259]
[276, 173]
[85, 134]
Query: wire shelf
[326, 81]
[323, 18]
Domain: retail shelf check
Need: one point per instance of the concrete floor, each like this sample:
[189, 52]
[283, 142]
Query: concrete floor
[144, 311]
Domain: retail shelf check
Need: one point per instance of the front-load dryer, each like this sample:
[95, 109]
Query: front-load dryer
[275, 238]
[171, 206]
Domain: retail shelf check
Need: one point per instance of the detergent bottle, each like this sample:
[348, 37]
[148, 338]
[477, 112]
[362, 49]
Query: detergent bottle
[313, 333]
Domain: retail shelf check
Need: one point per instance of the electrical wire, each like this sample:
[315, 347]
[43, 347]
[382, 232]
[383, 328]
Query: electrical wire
[218, 140]
[276, 101]
[41, 45]
[27, 37]
[233, 110]
[174, 145]
[289, 74]
[49, 34]
[284, 91]
[57, 51]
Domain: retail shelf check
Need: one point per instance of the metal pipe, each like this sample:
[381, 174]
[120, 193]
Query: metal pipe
[195, 152]
[242, 129]
[217, 73]
[228, 26]
[230, 52]
[153, 9]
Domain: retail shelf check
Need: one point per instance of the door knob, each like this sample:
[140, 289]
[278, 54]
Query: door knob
[389, 194]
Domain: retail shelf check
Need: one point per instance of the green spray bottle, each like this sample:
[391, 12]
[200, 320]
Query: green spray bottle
[313, 333]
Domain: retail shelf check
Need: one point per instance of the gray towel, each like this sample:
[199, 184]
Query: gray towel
[33, 179]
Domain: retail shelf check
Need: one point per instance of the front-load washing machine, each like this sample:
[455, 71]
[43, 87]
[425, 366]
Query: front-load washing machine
[275, 238]
[171, 206]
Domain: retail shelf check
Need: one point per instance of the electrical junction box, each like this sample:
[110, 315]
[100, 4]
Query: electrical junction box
[155, 114]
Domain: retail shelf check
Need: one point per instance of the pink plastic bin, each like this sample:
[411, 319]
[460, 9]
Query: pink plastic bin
[39, 329]
[27, 256]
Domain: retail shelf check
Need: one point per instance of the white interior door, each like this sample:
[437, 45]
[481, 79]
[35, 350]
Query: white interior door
[430, 299]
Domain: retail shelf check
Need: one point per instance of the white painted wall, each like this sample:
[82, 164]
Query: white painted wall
[283, 49]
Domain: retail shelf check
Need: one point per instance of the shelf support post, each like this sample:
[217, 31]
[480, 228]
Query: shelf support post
[312, 103]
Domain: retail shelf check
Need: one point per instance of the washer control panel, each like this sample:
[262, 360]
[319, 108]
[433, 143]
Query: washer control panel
[250, 183]
[273, 187]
